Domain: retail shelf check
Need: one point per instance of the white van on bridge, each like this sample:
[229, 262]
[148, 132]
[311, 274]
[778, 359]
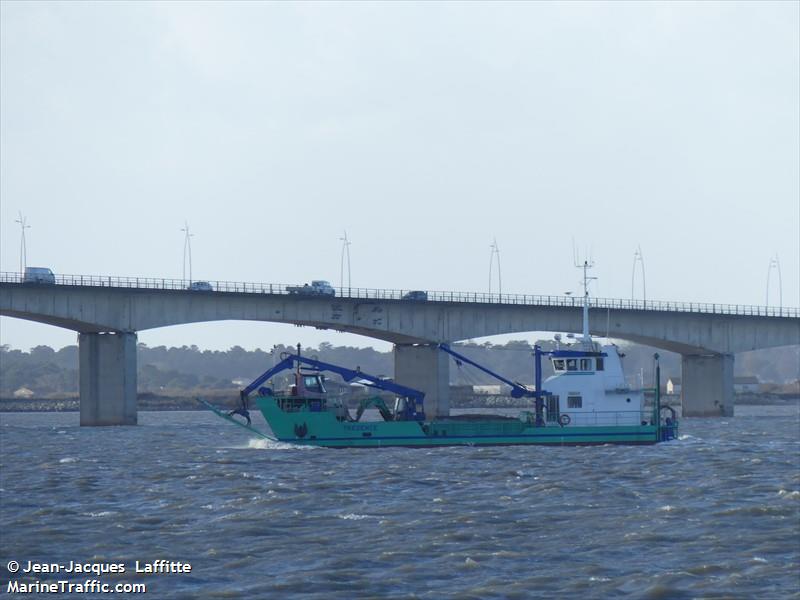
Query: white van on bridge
[38, 275]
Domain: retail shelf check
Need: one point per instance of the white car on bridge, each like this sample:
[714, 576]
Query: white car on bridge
[318, 287]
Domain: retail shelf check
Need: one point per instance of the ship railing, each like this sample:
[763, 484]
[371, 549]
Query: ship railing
[609, 418]
[239, 287]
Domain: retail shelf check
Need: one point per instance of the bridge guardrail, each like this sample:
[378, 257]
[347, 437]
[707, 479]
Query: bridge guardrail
[152, 283]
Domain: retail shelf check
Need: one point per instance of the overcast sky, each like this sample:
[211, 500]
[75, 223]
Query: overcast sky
[425, 130]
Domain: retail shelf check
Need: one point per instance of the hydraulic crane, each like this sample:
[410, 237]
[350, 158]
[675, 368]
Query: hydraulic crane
[413, 409]
[517, 390]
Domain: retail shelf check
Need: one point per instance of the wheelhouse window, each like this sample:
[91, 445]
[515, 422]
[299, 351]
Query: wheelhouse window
[574, 402]
[313, 384]
[599, 363]
[572, 364]
[586, 364]
[558, 364]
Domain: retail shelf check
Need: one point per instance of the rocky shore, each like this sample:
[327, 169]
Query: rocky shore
[145, 401]
[148, 401]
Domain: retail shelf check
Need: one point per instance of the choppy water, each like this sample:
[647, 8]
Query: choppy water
[715, 515]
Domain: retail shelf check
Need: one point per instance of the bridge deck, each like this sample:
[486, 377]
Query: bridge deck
[238, 287]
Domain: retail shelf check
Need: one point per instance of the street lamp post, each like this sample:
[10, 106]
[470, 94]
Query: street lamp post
[776, 264]
[345, 253]
[495, 253]
[187, 250]
[23, 250]
[638, 258]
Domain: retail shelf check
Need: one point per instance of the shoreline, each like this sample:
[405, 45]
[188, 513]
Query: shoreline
[150, 402]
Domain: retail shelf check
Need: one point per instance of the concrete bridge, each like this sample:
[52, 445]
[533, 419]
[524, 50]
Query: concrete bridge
[108, 311]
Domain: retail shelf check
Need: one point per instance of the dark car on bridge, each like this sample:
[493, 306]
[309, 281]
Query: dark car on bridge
[417, 295]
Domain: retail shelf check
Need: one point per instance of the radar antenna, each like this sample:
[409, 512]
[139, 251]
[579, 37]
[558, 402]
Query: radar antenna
[587, 264]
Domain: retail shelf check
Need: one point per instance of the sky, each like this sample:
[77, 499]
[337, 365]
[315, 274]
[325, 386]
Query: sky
[424, 130]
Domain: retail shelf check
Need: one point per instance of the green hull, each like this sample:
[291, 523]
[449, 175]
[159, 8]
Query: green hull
[322, 428]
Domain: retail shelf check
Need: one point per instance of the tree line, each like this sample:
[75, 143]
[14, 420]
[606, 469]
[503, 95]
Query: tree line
[187, 369]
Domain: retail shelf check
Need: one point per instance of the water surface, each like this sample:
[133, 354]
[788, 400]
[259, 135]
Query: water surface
[713, 515]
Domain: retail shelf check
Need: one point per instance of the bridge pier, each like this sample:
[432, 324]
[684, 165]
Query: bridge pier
[707, 385]
[427, 369]
[107, 373]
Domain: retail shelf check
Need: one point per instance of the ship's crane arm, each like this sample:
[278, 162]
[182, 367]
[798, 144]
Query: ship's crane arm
[285, 364]
[414, 409]
[517, 390]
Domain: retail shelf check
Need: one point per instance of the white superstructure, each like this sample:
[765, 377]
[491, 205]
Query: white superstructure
[588, 384]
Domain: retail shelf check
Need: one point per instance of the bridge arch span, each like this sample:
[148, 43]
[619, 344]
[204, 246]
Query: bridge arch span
[108, 318]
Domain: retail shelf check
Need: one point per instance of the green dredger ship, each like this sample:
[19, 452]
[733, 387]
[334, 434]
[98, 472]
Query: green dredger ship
[587, 403]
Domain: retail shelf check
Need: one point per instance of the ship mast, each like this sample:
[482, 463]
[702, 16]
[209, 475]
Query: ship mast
[586, 338]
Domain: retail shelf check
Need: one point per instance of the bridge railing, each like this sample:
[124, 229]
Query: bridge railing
[153, 283]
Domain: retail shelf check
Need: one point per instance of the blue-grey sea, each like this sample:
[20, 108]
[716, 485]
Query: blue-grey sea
[715, 514]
